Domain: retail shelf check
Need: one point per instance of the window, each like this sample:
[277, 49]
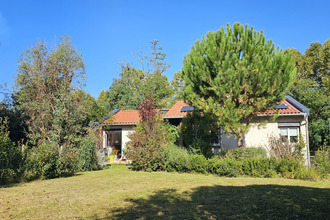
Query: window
[216, 141]
[289, 134]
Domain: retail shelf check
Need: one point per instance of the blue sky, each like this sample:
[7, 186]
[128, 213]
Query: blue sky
[107, 32]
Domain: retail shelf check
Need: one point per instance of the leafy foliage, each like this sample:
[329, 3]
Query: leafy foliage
[89, 107]
[16, 120]
[285, 150]
[177, 84]
[198, 131]
[235, 74]
[312, 90]
[88, 159]
[45, 92]
[255, 165]
[322, 160]
[244, 153]
[136, 84]
[148, 142]
[10, 156]
[46, 161]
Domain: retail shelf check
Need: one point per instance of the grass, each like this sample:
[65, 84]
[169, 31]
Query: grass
[118, 193]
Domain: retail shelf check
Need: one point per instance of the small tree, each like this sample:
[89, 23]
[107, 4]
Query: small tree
[147, 146]
[235, 74]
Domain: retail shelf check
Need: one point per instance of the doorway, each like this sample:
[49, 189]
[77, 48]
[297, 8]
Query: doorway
[114, 142]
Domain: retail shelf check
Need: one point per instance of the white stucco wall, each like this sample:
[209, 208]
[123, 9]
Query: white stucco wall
[125, 130]
[258, 134]
[124, 135]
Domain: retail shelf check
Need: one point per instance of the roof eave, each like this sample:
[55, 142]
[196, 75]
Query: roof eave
[120, 124]
[289, 114]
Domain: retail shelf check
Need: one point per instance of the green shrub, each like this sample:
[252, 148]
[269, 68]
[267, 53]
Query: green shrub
[243, 153]
[229, 167]
[322, 161]
[87, 155]
[259, 167]
[310, 174]
[213, 165]
[288, 169]
[68, 162]
[147, 145]
[41, 162]
[178, 159]
[198, 163]
[252, 163]
[47, 161]
[10, 156]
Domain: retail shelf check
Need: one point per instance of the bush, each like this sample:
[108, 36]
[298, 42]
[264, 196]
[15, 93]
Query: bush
[47, 161]
[289, 169]
[178, 159]
[41, 162]
[262, 167]
[243, 153]
[310, 174]
[198, 163]
[147, 145]
[251, 162]
[68, 162]
[10, 156]
[285, 150]
[322, 160]
[229, 167]
[87, 155]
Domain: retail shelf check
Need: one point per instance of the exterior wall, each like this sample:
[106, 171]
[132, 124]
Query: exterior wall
[124, 135]
[258, 134]
[228, 142]
[125, 130]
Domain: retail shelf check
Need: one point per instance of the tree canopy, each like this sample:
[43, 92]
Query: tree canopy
[234, 74]
[46, 85]
[135, 84]
[312, 89]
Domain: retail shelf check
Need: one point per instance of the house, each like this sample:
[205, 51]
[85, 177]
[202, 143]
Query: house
[291, 123]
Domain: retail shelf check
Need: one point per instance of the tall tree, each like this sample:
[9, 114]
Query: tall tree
[135, 84]
[90, 108]
[177, 84]
[235, 74]
[126, 92]
[312, 89]
[46, 83]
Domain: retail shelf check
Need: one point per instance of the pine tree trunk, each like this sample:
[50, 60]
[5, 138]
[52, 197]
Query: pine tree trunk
[240, 141]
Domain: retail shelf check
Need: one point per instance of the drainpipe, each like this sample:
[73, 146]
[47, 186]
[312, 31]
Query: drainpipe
[307, 139]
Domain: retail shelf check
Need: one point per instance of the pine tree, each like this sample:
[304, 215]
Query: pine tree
[234, 74]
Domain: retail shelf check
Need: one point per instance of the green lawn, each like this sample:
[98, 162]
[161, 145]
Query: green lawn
[118, 193]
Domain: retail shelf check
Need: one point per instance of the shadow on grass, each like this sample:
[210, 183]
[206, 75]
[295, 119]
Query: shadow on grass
[229, 202]
[13, 184]
[8, 185]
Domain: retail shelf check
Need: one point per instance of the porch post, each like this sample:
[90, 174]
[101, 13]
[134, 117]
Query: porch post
[104, 139]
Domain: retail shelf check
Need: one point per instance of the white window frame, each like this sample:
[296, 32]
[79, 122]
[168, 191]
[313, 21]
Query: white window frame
[288, 132]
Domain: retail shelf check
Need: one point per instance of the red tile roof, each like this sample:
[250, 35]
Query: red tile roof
[290, 110]
[133, 117]
[175, 111]
[124, 117]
